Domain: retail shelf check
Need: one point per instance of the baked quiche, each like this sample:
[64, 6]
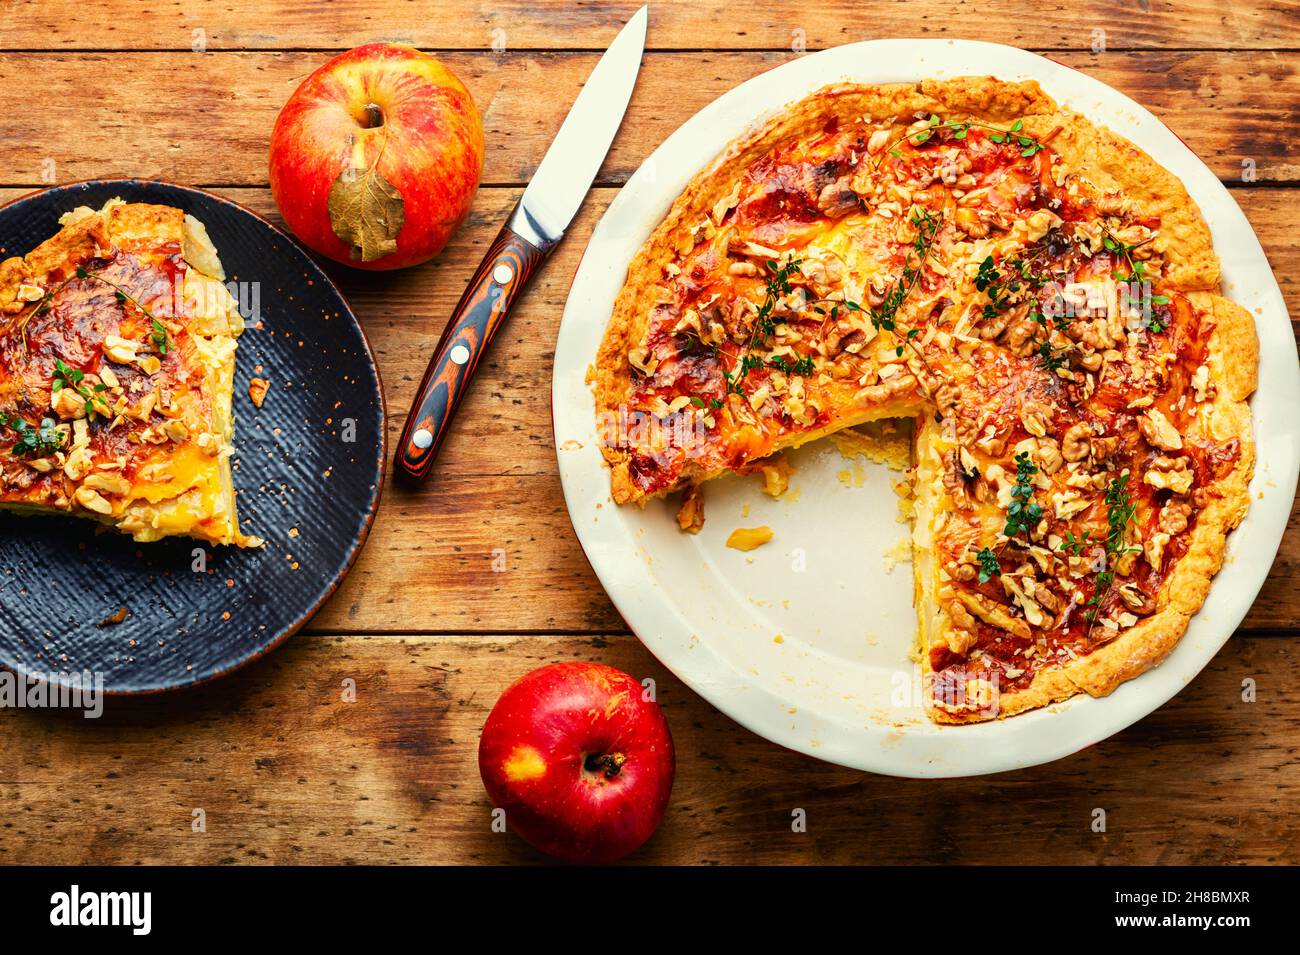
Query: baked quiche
[1034, 291]
[117, 358]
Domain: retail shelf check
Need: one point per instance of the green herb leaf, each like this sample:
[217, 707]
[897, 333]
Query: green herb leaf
[989, 565]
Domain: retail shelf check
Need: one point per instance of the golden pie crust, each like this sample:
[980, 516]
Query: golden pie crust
[1034, 290]
[117, 352]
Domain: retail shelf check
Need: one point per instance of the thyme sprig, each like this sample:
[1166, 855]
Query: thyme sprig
[1022, 513]
[1014, 135]
[927, 225]
[1137, 272]
[1002, 288]
[71, 378]
[33, 440]
[775, 287]
[1120, 511]
[157, 330]
[1075, 545]
[990, 567]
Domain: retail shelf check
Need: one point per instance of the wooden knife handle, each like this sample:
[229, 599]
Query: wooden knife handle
[501, 276]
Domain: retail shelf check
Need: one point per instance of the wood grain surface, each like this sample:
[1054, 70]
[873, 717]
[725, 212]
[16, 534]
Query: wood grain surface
[209, 115]
[286, 771]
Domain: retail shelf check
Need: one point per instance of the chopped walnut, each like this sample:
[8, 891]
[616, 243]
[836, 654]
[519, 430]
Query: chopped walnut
[1034, 417]
[119, 349]
[1159, 432]
[994, 614]
[1174, 517]
[946, 398]
[1021, 337]
[258, 389]
[640, 359]
[1016, 589]
[78, 464]
[1135, 599]
[969, 221]
[1049, 455]
[1103, 448]
[1076, 443]
[1040, 222]
[899, 384]
[961, 617]
[108, 483]
[957, 477]
[176, 430]
[91, 500]
[1154, 549]
[1174, 474]
[963, 572]
[878, 141]
[843, 336]
[67, 404]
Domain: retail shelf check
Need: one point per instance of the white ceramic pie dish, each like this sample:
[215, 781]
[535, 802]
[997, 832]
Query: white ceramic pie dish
[838, 683]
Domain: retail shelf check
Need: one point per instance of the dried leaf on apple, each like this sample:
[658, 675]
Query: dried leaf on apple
[366, 211]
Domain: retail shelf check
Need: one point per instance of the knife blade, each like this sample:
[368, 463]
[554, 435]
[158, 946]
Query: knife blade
[535, 226]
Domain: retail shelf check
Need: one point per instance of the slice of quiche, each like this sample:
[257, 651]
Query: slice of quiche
[117, 360]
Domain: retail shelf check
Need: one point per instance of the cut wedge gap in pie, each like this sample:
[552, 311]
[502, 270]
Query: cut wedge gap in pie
[117, 360]
[1035, 291]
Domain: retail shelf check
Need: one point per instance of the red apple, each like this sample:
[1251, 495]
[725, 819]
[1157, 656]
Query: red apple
[376, 157]
[580, 760]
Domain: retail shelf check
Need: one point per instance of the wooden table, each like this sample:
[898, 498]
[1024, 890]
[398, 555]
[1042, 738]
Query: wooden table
[285, 771]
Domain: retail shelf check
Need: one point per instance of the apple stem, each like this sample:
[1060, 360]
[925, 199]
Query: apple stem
[608, 763]
[374, 116]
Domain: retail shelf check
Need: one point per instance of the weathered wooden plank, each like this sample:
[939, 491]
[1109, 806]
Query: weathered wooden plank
[495, 493]
[286, 772]
[206, 118]
[674, 24]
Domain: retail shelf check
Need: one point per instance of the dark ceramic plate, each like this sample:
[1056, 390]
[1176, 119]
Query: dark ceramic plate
[308, 468]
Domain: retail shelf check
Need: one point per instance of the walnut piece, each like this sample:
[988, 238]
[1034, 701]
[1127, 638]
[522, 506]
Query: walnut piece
[1174, 474]
[91, 500]
[1174, 516]
[67, 404]
[120, 350]
[257, 389]
[1159, 432]
[1075, 444]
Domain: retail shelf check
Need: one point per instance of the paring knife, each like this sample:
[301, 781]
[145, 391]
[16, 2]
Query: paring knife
[534, 228]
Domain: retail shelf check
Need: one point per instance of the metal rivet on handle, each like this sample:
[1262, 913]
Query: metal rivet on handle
[459, 354]
[422, 438]
[503, 273]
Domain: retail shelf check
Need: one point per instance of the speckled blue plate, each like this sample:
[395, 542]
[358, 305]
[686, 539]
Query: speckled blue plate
[308, 469]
